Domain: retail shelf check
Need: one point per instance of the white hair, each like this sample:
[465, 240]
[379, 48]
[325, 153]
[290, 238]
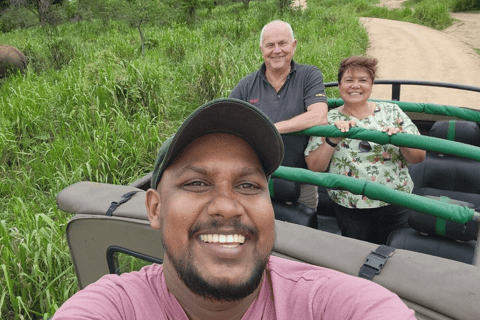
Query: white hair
[286, 23]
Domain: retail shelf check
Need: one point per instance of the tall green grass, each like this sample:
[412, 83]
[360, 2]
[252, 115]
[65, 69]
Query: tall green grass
[91, 107]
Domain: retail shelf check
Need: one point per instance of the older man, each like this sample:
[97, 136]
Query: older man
[291, 95]
[210, 200]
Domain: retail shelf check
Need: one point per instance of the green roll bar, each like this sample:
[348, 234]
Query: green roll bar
[399, 139]
[377, 191]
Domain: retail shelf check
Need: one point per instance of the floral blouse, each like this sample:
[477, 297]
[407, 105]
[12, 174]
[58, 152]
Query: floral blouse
[368, 160]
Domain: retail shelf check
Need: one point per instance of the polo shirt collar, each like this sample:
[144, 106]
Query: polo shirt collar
[263, 68]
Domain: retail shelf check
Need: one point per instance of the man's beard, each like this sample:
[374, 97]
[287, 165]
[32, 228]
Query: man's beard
[223, 291]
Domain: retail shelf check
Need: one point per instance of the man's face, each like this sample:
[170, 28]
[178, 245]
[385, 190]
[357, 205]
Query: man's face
[278, 46]
[216, 217]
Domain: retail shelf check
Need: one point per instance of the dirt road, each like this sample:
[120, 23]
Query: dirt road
[409, 51]
[466, 29]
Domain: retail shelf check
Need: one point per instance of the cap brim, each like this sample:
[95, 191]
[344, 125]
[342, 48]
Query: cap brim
[234, 117]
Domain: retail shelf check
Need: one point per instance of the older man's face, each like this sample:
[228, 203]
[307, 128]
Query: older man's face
[278, 46]
[216, 217]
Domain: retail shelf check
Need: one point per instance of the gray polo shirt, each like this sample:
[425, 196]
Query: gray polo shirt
[303, 87]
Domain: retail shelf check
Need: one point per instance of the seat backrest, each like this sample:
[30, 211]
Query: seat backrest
[284, 196]
[448, 175]
[444, 175]
[448, 178]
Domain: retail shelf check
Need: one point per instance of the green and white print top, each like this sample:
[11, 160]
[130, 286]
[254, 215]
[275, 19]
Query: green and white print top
[368, 160]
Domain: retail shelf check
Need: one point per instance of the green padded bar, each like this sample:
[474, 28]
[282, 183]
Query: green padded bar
[399, 139]
[428, 108]
[378, 191]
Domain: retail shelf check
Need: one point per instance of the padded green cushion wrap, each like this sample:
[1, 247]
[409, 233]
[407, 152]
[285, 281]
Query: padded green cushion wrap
[399, 139]
[378, 191]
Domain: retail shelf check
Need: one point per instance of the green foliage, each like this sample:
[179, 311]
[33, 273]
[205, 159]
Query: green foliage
[62, 51]
[434, 13]
[466, 5]
[15, 18]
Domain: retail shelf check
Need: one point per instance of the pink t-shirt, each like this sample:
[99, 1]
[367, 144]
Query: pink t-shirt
[300, 291]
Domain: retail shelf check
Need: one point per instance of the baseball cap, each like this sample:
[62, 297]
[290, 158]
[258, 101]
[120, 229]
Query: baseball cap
[229, 116]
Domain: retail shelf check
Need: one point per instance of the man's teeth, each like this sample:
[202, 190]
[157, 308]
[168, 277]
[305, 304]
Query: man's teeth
[355, 93]
[222, 238]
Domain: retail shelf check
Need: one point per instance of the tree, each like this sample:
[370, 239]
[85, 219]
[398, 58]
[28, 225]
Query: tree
[140, 12]
[190, 7]
[41, 8]
[4, 4]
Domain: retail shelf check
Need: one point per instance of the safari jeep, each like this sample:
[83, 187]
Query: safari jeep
[435, 265]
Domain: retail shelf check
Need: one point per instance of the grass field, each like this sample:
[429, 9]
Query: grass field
[91, 107]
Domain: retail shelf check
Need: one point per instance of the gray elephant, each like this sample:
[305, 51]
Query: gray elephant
[11, 60]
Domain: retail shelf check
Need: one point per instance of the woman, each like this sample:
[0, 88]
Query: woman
[358, 216]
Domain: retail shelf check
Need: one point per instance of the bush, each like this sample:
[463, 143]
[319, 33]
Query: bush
[434, 14]
[17, 18]
[38, 61]
[62, 52]
[466, 5]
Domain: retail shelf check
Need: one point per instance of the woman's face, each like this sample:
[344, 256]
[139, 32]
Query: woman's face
[355, 86]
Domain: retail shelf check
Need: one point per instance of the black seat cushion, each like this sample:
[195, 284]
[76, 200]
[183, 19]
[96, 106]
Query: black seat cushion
[285, 190]
[295, 213]
[409, 239]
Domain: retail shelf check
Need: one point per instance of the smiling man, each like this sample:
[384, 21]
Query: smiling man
[292, 95]
[210, 200]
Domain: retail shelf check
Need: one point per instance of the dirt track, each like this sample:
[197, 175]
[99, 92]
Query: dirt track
[409, 51]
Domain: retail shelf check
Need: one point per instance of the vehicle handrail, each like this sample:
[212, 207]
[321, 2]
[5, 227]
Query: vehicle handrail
[400, 139]
[378, 191]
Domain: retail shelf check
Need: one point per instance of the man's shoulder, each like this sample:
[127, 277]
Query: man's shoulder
[306, 67]
[307, 274]
[331, 294]
[294, 270]
[251, 76]
[145, 277]
[119, 296]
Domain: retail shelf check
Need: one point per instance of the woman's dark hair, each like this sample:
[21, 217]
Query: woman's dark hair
[369, 65]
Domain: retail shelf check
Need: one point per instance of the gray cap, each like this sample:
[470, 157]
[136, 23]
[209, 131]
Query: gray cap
[230, 116]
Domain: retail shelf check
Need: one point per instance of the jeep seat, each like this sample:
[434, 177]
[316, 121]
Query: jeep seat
[450, 178]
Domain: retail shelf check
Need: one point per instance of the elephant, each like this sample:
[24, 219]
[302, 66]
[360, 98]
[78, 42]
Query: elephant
[11, 60]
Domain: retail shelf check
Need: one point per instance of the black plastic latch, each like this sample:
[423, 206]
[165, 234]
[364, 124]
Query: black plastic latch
[375, 261]
[113, 206]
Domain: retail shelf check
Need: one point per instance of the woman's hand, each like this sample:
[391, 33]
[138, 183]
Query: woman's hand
[343, 126]
[392, 130]
[412, 155]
